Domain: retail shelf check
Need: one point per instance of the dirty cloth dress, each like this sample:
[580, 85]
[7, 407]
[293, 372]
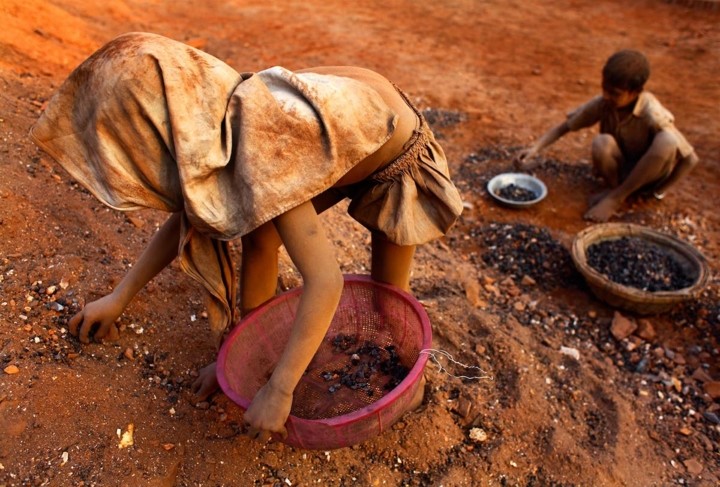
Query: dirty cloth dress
[148, 122]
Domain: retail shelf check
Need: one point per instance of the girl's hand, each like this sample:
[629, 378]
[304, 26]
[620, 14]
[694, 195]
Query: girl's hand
[97, 320]
[268, 413]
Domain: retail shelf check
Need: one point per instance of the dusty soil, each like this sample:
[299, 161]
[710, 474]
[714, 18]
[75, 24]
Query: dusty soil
[492, 75]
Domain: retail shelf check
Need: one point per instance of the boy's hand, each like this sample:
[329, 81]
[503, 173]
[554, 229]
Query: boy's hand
[521, 161]
[268, 413]
[97, 319]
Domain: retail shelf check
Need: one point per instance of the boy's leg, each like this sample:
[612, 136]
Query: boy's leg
[607, 159]
[652, 167]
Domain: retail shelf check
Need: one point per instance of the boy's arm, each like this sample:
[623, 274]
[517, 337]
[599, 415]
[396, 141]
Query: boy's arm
[161, 251]
[585, 115]
[314, 256]
[550, 137]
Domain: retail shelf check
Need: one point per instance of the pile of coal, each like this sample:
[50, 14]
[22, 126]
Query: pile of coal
[638, 263]
[513, 192]
[526, 250]
[367, 363]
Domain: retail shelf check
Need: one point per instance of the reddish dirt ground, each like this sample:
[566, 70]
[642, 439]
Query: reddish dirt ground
[491, 76]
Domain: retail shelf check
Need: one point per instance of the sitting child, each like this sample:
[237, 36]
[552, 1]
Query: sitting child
[638, 147]
[148, 122]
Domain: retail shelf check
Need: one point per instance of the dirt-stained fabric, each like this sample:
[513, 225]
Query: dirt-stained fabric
[148, 122]
[412, 200]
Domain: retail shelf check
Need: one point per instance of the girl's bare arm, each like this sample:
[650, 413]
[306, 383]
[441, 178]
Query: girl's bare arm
[102, 313]
[314, 256]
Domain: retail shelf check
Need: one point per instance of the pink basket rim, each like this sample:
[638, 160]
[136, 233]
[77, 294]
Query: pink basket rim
[361, 413]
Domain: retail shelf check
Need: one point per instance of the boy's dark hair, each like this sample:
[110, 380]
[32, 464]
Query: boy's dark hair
[626, 70]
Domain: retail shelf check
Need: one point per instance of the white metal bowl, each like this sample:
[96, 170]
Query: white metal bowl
[526, 181]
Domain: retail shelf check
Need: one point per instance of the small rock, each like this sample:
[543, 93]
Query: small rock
[685, 431]
[528, 281]
[572, 352]
[592, 314]
[513, 291]
[492, 289]
[11, 370]
[137, 222]
[645, 330]
[464, 406]
[472, 291]
[701, 375]
[126, 439]
[508, 282]
[478, 435]
[204, 405]
[693, 466]
[711, 417]
[622, 327]
[712, 389]
[129, 354]
[50, 290]
[642, 365]
[679, 359]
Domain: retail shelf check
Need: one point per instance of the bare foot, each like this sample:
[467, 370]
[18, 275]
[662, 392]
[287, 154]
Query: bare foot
[595, 198]
[602, 211]
[206, 383]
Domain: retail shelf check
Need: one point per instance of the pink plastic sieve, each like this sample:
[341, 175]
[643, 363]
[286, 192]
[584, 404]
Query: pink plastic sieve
[369, 311]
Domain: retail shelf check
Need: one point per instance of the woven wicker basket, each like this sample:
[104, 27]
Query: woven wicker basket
[630, 298]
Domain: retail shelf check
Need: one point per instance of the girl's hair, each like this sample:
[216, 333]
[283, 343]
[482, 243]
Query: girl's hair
[626, 70]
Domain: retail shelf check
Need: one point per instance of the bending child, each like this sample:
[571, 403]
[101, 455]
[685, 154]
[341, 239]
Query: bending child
[638, 149]
[148, 122]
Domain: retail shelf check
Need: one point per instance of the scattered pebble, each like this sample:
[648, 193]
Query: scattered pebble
[693, 466]
[478, 435]
[11, 370]
[572, 352]
[622, 327]
[129, 354]
[126, 438]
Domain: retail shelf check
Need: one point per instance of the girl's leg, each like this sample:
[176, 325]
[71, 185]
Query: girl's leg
[259, 267]
[391, 263]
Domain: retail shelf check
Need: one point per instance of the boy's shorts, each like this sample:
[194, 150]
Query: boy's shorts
[411, 200]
